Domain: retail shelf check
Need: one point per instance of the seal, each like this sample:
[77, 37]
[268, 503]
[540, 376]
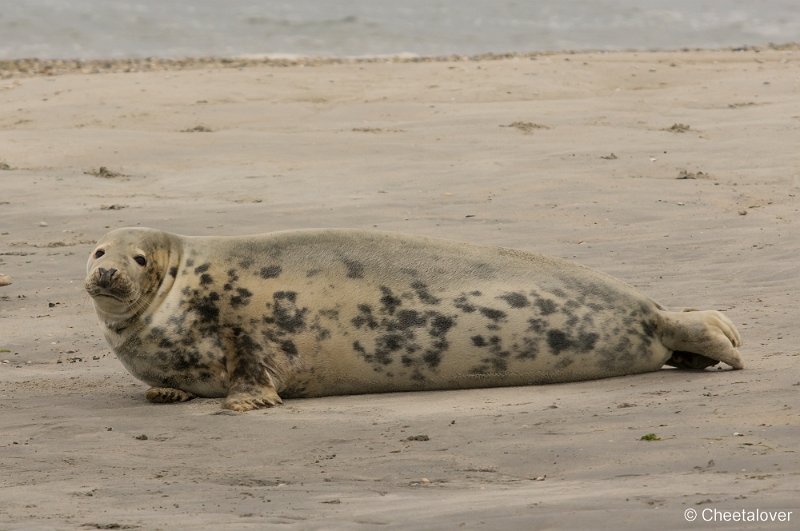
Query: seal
[311, 313]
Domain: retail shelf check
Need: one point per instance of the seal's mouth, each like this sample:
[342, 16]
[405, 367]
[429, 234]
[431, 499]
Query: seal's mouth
[101, 285]
[106, 295]
[97, 292]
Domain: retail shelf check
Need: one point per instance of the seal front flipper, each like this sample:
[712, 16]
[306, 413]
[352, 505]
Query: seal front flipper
[167, 395]
[249, 397]
[251, 384]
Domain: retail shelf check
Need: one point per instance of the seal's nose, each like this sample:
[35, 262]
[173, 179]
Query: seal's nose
[105, 276]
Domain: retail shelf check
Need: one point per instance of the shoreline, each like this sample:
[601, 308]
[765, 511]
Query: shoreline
[32, 67]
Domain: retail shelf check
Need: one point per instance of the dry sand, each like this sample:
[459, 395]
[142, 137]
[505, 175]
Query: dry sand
[576, 155]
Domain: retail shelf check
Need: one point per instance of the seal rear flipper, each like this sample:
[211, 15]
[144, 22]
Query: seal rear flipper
[699, 339]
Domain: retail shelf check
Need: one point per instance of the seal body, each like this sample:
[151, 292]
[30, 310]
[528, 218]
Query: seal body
[325, 312]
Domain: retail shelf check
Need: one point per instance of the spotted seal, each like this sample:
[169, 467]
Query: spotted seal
[325, 312]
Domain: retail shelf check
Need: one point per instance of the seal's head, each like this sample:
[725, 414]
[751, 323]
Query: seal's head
[125, 270]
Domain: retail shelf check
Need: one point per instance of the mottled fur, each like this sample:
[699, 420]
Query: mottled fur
[313, 313]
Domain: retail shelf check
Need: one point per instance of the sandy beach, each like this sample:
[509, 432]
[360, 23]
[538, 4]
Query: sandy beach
[678, 172]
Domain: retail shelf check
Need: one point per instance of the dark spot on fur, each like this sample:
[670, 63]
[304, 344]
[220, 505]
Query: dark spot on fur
[190, 262]
[173, 271]
[586, 341]
[440, 324]
[528, 350]
[462, 304]
[546, 306]
[515, 299]
[248, 365]
[410, 318]
[491, 313]
[233, 278]
[497, 361]
[242, 298]
[205, 279]
[288, 317]
[291, 296]
[322, 332]
[272, 271]
[423, 294]
[313, 272]
[364, 317]
[537, 325]
[355, 269]
[387, 344]
[649, 328]
[389, 301]
[288, 347]
[557, 341]
[205, 306]
[359, 348]
[432, 358]
[201, 268]
[478, 341]
[186, 360]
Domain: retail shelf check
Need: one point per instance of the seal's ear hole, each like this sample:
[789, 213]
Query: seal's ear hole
[141, 260]
[98, 253]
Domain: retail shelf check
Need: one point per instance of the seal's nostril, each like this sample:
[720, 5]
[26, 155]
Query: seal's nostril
[105, 276]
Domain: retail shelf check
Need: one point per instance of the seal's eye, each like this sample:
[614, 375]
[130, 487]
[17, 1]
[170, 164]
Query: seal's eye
[98, 253]
[141, 260]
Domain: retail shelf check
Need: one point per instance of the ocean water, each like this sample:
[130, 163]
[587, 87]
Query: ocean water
[92, 29]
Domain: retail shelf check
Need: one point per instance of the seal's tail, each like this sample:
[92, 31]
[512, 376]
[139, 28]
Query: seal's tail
[700, 339]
